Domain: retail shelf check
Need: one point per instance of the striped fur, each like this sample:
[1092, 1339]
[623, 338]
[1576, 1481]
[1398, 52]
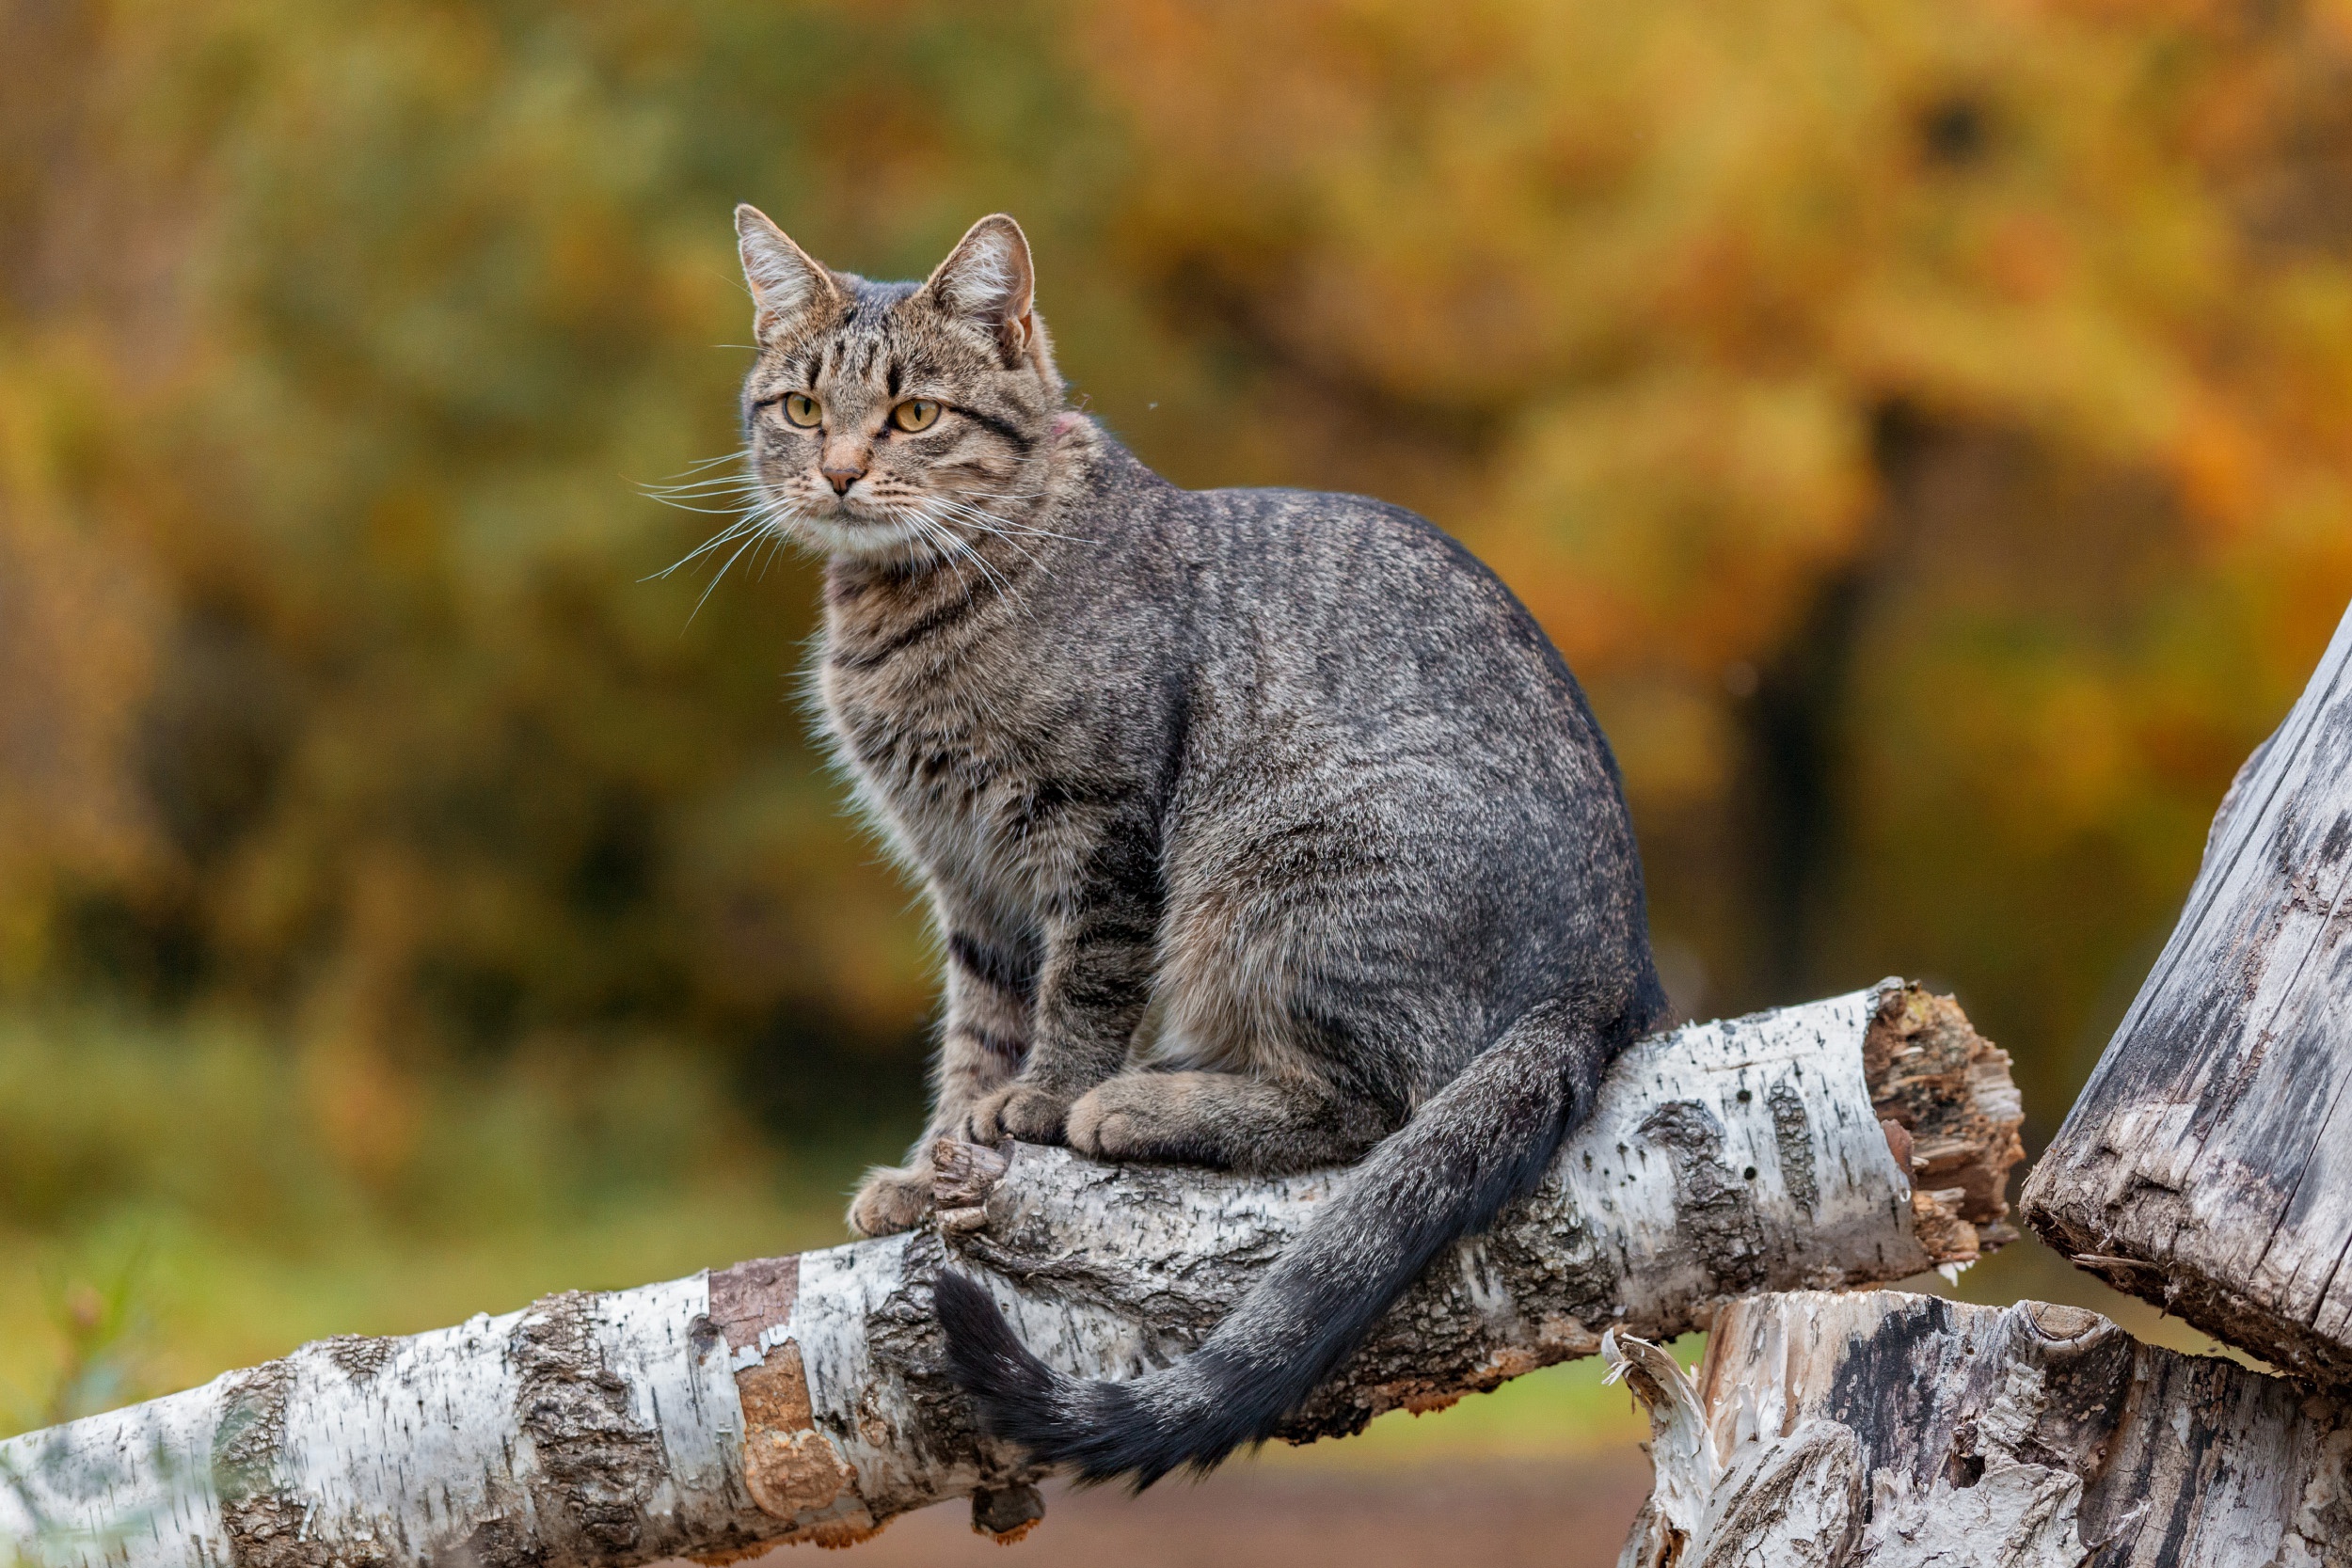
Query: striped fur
[1262, 829]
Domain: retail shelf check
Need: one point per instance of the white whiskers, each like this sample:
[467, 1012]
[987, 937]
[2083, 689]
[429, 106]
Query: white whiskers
[942, 525]
[759, 517]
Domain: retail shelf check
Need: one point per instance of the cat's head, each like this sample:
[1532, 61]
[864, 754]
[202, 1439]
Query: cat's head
[890, 421]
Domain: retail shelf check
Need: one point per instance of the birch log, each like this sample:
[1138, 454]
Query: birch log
[2208, 1165]
[1881, 1430]
[803, 1399]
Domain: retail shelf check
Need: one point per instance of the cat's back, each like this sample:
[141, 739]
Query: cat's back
[1374, 608]
[1371, 700]
[1313, 556]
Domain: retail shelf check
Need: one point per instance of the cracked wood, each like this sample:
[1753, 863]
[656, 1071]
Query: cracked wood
[2208, 1165]
[1883, 1430]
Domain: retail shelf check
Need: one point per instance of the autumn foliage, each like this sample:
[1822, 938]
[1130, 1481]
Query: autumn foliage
[1926, 429]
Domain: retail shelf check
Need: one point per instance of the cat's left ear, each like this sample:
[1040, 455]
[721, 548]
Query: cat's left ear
[987, 281]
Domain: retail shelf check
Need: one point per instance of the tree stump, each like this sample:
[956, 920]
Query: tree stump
[2207, 1167]
[1883, 1430]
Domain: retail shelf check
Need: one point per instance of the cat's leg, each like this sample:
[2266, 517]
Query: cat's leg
[983, 1040]
[1091, 992]
[1228, 1120]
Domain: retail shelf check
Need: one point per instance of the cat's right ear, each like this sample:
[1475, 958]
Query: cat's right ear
[786, 282]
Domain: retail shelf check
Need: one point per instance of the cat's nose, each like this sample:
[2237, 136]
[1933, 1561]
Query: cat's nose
[841, 479]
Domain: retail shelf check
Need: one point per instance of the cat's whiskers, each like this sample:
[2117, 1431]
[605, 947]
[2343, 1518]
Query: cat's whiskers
[704, 486]
[719, 575]
[954, 548]
[717, 541]
[696, 481]
[1008, 527]
[919, 528]
[760, 514]
[994, 570]
[706, 511]
[756, 524]
[940, 508]
[738, 455]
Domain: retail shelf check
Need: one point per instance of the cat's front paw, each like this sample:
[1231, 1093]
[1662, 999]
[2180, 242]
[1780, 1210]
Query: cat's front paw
[1022, 1111]
[892, 1198]
[1145, 1115]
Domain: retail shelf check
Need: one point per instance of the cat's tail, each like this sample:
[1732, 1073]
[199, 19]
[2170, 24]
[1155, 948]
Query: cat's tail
[1477, 1144]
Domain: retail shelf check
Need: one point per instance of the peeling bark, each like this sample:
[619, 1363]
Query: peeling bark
[805, 1399]
[1881, 1430]
[2208, 1165]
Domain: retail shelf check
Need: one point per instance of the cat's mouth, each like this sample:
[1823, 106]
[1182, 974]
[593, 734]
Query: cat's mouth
[861, 510]
[822, 504]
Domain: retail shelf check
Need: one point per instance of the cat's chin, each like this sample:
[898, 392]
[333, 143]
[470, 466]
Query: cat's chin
[882, 540]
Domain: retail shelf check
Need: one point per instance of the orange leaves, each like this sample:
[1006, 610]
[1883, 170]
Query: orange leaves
[1679, 520]
[1928, 428]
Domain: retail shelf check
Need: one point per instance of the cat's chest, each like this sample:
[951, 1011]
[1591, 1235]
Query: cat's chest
[926, 747]
[954, 760]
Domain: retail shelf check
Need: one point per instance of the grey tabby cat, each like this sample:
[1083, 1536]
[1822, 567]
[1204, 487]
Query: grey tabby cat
[1290, 776]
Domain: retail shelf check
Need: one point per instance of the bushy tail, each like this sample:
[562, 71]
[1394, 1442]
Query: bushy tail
[1480, 1142]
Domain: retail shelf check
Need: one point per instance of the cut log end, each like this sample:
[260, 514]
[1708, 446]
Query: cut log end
[1951, 1112]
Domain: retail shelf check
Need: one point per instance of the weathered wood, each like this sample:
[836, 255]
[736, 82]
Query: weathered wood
[803, 1399]
[2208, 1165]
[1881, 1430]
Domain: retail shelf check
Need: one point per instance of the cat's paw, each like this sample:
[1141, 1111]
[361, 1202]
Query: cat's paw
[1140, 1116]
[892, 1198]
[1022, 1111]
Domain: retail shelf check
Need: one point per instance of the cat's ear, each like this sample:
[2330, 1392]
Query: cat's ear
[787, 283]
[987, 279]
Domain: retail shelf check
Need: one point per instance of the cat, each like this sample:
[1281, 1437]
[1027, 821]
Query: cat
[1263, 830]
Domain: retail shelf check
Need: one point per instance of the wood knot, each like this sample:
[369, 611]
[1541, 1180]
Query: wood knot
[962, 1175]
[793, 1471]
[2058, 1324]
[1006, 1513]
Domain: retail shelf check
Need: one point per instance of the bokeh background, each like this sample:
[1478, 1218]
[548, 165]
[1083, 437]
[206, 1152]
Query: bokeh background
[1926, 428]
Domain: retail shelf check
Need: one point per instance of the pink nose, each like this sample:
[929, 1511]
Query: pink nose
[841, 479]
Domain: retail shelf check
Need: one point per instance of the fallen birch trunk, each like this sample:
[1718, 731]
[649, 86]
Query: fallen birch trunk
[803, 1399]
[2208, 1165]
[1880, 1430]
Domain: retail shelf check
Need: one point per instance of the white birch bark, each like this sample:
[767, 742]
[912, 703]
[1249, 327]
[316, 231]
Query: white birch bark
[803, 1399]
[2208, 1165]
[1881, 1430]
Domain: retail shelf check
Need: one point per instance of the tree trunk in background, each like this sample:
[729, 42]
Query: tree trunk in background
[803, 1399]
[2208, 1165]
[1881, 1430]
[1794, 711]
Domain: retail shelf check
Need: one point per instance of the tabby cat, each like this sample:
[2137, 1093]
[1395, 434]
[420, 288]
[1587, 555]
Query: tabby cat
[1264, 829]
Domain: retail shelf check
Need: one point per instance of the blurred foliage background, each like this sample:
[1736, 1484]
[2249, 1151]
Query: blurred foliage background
[1926, 429]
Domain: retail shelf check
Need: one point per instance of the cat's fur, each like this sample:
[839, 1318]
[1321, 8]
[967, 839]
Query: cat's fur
[1292, 774]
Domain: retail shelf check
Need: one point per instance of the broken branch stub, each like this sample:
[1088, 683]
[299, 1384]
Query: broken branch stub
[805, 1399]
[1883, 1430]
[2207, 1166]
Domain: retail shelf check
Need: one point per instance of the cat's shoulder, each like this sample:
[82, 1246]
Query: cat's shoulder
[1361, 528]
[1325, 513]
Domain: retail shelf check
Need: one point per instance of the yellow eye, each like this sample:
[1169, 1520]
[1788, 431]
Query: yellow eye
[915, 414]
[801, 410]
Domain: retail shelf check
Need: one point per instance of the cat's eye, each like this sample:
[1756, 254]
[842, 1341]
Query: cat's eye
[915, 414]
[801, 410]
